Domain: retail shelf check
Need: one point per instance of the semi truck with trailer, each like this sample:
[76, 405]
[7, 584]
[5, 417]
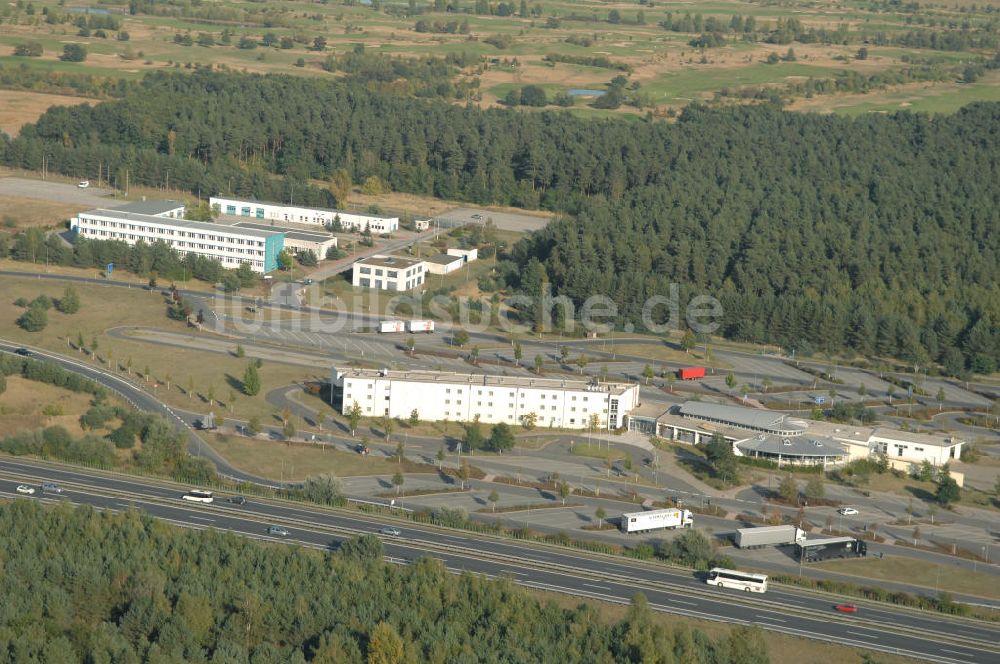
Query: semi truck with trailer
[637, 522]
[425, 326]
[753, 538]
[387, 326]
[690, 373]
[828, 548]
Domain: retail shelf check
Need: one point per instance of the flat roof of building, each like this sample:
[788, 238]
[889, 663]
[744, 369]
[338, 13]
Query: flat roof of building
[201, 226]
[253, 201]
[398, 262]
[444, 259]
[797, 446]
[150, 207]
[937, 440]
[290, 233]
[750, 418]
[857, 435]
[669, 419]
[491, 380]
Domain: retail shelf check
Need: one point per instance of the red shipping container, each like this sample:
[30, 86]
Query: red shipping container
[687, 373]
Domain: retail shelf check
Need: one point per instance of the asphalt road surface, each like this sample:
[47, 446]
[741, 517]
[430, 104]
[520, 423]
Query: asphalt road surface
[885, 628]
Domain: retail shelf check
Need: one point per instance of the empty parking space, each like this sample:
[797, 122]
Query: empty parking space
[44, 190]
[508, 221]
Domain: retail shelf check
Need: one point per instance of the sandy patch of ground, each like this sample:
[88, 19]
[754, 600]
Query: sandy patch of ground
[19, 107]
[21, 406]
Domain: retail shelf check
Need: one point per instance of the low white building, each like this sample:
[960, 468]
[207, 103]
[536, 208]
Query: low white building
[468, 255]
[376, 223]
[915, 447]
[392, 273]
[554, 402]
[231, 246]
[443, 264]
[297, 240]
[764, 433]
[421, 224]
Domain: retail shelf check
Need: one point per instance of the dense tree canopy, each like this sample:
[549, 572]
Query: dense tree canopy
[816, 232]
[126, 588]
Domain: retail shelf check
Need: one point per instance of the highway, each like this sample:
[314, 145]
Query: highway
[885, 628]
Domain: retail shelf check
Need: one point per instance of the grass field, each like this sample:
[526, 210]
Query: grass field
[596, 452]
[18, 107]
[18, 213]
[106, 308]
[23, 404]
[670, 71]
[275, 460]
[921, 572]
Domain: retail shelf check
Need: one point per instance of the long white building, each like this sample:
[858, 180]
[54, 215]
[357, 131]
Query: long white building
[566, 404]
[230, 245]
[784, 438]
[376, 223]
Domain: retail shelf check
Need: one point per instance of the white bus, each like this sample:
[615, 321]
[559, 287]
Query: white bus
[730, 578]
[199, 496]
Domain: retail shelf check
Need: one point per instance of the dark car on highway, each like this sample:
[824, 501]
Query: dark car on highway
[237, 500]
[23, 351]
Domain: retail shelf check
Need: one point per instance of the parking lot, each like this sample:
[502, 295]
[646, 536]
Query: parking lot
[60, 192]
[507, 221]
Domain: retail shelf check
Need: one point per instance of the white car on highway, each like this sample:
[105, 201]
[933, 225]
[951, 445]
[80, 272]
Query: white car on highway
[83, 184]
[25, 489]
[848, 511]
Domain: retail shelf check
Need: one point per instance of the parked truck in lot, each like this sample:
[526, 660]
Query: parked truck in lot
[425, 326]
[689, 373]
[752, 538]
[810, 551]
[636, 522]
[387, 326]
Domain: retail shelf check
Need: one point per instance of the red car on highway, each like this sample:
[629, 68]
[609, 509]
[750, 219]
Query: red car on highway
[846, 608]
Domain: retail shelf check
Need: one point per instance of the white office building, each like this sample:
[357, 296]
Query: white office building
[378, 224]
[391, 273]
[436, 396]
[230, 245]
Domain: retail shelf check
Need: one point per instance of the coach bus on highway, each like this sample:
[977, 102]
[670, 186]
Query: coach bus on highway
[199, 496]
[730, 578]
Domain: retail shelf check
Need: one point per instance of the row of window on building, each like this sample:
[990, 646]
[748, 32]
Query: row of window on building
[184, 247]
[154, 230]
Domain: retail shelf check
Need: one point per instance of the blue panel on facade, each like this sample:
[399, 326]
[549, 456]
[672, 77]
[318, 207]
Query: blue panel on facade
[273, 246]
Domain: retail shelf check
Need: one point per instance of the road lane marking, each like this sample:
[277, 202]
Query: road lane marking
[510, 571]
[201, 518]
[771, 618]
[680, 601]
[594, 585]
[865, 636]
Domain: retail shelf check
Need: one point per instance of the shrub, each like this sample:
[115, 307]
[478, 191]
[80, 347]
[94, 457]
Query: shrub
[74, 53]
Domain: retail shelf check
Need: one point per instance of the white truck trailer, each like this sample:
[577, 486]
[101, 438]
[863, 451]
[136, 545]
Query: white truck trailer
[414, 326]
[636, 522]
[387, 326]
[752, 538]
